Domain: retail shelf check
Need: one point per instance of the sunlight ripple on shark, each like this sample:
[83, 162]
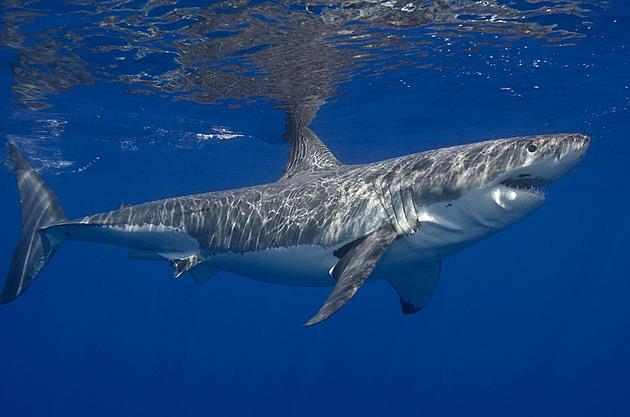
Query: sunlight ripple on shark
[323, 223]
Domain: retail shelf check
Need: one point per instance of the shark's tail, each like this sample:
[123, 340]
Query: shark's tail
[40, 208]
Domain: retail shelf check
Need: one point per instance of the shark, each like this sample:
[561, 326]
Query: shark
[322, 223]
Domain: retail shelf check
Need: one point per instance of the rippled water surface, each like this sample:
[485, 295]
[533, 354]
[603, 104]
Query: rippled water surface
[118, 101]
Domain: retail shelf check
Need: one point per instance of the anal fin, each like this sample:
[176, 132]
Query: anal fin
[353, 269]
[184, 264]
[194, 264]
[145, 255]
[109, 246]
[203, 272]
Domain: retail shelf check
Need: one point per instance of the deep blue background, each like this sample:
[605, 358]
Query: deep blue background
[533, 321]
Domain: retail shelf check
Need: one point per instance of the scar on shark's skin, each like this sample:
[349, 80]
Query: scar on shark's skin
[323, 223]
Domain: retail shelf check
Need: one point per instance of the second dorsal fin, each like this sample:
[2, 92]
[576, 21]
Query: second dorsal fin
[308, 154]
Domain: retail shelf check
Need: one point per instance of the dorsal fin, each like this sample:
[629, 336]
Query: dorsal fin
[308, 154]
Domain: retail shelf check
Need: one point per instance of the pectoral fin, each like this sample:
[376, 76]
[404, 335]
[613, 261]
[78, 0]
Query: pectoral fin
[416, 289]
[353, 269]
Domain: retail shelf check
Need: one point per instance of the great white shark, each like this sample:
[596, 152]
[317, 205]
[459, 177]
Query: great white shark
[323, 223]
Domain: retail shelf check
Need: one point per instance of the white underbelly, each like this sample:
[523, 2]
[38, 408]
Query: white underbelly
[305, 265]
[309, 265]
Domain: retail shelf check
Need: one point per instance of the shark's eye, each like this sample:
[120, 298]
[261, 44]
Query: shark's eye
[531, 148]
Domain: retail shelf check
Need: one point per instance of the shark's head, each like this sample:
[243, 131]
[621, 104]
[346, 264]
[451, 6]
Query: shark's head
[515, 169]
[471, 191]
[520, 165]
[529, 162]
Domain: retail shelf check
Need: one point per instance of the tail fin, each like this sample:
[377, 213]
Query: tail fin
[40, 208]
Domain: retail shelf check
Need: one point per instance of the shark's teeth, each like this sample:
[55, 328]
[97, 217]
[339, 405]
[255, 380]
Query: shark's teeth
[529, 189]
[527, 183]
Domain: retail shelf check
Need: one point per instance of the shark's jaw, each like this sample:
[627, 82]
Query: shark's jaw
[526, 183]
[448, 227]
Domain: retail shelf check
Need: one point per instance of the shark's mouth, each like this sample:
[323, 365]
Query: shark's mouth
[526, 182]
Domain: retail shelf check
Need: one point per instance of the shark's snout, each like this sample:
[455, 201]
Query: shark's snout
[567, 151]
[574, 145]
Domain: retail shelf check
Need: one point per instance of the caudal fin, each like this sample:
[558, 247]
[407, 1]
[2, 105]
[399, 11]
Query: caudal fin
[40, 208]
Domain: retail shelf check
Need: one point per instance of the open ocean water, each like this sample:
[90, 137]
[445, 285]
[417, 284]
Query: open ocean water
[117, 101]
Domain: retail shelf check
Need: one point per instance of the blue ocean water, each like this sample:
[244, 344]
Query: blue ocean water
[135, 101]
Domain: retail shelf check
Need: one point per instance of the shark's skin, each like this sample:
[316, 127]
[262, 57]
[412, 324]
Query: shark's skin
[323, 223]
